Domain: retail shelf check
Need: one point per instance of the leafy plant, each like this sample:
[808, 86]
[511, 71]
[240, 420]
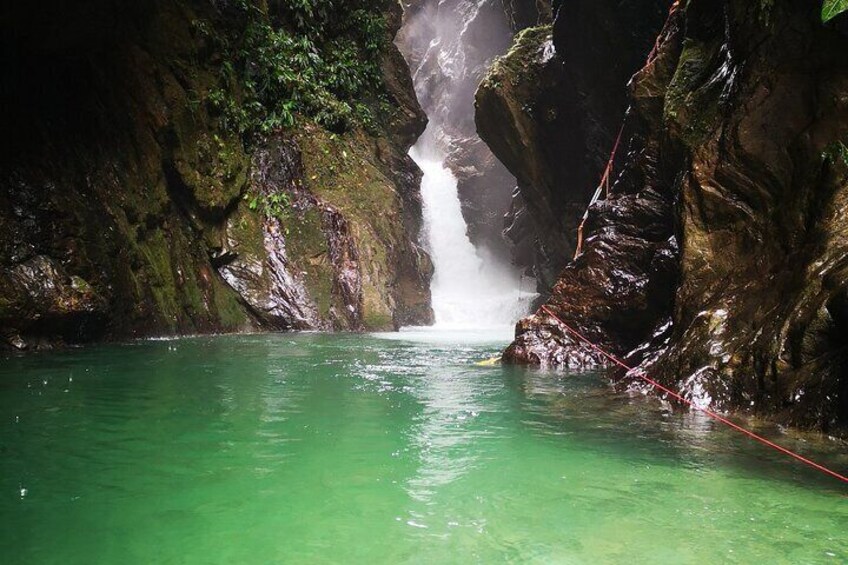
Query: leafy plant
[273, 205]
[832, 8]
[314, 58]
[835, 152]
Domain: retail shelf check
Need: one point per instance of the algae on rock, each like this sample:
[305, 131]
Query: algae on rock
[126, 175]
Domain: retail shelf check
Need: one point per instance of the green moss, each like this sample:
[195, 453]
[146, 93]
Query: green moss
[245, 230]
[689, 102]
[339, 170]
[307, 248]
[158, 281]
[518, 63]
[214, 167]
[230, 312]
[377, 321]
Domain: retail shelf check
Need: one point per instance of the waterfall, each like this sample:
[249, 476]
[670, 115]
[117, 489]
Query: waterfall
[470, 288]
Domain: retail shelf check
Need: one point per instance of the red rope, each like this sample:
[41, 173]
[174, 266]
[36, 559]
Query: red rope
[608, 171]
[706, 411]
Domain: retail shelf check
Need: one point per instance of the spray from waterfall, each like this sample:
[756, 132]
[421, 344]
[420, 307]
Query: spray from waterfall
[470, 288]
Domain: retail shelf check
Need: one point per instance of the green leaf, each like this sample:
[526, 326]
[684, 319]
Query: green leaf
[832, 8]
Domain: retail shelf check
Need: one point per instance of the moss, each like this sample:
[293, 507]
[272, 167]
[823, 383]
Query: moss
[214, 168]
[518, 63]
[229, 310]
[158, 281]
[690, 102]
[339, 169]
[244, 229]
[378, 321]
[307, 249]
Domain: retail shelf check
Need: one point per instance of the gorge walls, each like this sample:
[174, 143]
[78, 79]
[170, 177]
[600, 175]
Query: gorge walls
[148, 188]
[718, 262]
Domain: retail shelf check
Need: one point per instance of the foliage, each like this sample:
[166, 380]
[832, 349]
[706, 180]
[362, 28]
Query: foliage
[835, 152]
[832, 8]
[314, 58]
[274, 205]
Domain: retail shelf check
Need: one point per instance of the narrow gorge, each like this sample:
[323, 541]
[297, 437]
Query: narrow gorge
[167, 176]
[716, 262]
[424, 281]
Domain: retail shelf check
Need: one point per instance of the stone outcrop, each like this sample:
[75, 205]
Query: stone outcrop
[128, 209]
[550, 110]
[718, 263]
[521, 116]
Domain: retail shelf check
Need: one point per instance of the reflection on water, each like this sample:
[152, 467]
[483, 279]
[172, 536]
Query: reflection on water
[349, 448]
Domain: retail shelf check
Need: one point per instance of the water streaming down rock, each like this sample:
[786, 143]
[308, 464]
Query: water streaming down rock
[468, 288]
[471, 286]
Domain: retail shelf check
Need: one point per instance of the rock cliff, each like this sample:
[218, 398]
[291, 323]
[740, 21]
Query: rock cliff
[550, 110]
[718, 262]
[134, 201]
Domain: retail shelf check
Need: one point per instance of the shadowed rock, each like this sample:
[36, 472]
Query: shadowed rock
[718, 264]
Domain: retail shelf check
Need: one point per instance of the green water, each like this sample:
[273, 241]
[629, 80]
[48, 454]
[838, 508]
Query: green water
[361, 449]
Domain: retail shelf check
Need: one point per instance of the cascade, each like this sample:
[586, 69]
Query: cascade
[471, 287]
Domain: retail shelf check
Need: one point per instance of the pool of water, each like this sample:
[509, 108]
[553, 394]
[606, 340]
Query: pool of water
[382, 449]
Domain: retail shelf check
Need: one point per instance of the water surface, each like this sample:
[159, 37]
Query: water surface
[363, 449]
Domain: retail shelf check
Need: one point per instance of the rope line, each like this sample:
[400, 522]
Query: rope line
[604, 184]
[708, 412]
[603, 187]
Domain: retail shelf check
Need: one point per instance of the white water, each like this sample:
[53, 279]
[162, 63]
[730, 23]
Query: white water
[468, 289]
[449, 45]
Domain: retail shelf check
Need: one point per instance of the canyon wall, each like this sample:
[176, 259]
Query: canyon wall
[717, 264]
[134, 203]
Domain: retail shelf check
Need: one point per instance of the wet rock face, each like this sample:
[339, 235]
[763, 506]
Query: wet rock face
[449, 45]
[39, 293]
[485, 191]
[718, 263]
[550, 111]
[522, 14]
[758, 105]
[322, 261]
[263, 274]
[521, 116]
[122, 177]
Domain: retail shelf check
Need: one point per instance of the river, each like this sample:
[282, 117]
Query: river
[393, 448]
